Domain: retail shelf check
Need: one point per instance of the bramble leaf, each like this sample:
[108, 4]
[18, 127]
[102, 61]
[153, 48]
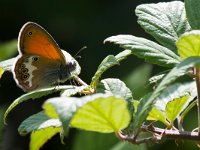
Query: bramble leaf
[166, 22]
[148, 102]
[103, 114]
[188, 44]
[149, 50]
[36, 122]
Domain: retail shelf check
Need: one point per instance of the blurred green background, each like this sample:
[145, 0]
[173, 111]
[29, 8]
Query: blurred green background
[74, 24]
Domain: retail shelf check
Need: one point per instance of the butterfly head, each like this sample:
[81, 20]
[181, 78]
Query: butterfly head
[72, 66]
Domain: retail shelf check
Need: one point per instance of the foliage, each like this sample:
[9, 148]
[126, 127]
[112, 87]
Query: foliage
[107, 105]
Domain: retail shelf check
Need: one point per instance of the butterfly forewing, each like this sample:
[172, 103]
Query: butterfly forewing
[33, 39]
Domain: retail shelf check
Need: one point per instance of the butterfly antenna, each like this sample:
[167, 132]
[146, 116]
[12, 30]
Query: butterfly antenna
[76, 55]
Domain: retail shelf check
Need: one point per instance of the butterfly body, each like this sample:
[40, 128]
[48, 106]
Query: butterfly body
[41, 62]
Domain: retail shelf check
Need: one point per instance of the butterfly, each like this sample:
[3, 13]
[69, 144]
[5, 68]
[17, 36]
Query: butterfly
[41, 62]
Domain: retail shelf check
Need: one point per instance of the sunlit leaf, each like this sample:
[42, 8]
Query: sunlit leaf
[188, 44]
[166, 22]
[149, 50]
[104, 114]
[174, 107]
[174, 91]
[40, 137]
[178, 71]
[156, 114]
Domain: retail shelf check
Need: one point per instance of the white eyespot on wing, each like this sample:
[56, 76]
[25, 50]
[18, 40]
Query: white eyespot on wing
[31, 68]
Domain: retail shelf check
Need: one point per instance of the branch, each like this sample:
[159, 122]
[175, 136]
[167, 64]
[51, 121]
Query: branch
[160, 134]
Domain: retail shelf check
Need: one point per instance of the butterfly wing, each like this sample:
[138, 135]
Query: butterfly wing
[35, 40]
[33, 72]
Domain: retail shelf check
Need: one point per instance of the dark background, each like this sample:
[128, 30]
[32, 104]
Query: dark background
[74, 24]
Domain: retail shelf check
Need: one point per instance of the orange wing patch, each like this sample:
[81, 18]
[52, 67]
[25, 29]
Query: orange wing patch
[33, 39]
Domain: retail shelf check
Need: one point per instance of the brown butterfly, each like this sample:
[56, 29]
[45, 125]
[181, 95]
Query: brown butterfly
[41, 62]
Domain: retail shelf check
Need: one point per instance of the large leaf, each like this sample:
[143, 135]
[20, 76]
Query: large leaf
[36, 122]
[164, 21]
[40, 137]
[103, 114]
[34, 95]
[193, 13]
[98, 112]
[149, 50]
[188, 44]
[146, 105]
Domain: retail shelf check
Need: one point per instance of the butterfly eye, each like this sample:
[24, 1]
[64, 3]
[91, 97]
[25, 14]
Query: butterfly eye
[35, 58]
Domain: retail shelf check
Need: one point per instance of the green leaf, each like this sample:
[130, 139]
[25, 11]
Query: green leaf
[175, 91]
[149, 50]
[164, 21]
[8, 49]
[156, 78]
[123, 55]
[33, 95]
[156, 114]
[107, 63]
[40, 137]
[174, 107]
[37, 122]
[193, 13]
[178, 71]
[188, 44]
[103, 114]
[116, 88]
[64, 108]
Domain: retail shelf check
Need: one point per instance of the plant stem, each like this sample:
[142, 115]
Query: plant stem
[80, 81]
[197, 77]
[159, 135]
